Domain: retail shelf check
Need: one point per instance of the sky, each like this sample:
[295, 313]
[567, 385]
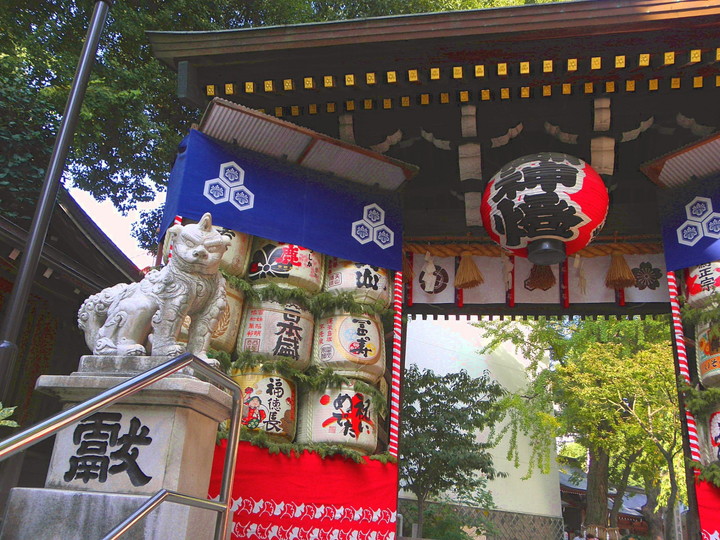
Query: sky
[116, 226]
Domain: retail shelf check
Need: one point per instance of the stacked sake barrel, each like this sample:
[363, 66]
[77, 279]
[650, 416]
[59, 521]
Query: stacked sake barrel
[702, 284]
[352, 345]
[277, 329]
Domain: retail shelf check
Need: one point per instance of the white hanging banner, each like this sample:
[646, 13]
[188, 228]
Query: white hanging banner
[524, 294]
[593, 271]
[492, 290]
[443, 291]
[650, 279]
[586, 281]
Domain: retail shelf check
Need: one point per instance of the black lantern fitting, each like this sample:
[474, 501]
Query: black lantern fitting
[546, 251]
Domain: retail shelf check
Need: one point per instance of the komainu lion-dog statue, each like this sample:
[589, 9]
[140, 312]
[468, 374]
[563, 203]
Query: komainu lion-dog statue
[120, 320]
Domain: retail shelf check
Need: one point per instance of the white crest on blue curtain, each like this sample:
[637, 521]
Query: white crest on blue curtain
[228, 187]
[286, 202]
[372, 228]
[701, 222]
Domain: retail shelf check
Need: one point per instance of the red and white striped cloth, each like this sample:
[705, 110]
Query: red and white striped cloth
[176, 221]
[396, 367]
[682, 361]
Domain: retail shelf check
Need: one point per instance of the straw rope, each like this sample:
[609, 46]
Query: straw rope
[493, 250]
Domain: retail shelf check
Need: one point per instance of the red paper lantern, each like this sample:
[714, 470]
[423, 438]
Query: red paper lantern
[544, 206]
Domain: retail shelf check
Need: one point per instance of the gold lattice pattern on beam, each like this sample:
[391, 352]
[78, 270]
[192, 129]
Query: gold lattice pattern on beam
[475, 74]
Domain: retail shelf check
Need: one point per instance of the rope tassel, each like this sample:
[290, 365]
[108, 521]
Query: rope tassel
[468, 275]
[579, 263]
[619, 275]
[541, 277]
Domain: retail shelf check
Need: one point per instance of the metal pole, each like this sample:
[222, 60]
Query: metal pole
[13, 317]
[47, 428]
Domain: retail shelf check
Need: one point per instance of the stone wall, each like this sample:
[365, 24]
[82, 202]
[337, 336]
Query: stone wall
[509, 525]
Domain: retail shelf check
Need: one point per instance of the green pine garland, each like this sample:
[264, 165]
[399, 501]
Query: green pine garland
[709, 473]
[247, 361]
[701, 404]
[697, 317]
[384, 458]
[314, 377]
[320, 305]
[376, 398]
[261, 440]
[317, 378]
[326, 303]
[222, 357]
[223, 431]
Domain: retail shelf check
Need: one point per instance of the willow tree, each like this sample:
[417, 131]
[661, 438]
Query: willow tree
[613, 385]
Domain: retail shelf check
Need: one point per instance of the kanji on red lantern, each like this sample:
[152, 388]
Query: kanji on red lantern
[543, 203]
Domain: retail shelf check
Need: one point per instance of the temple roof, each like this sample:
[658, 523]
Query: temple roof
[77, 259]
[511, 24]
[617, 83]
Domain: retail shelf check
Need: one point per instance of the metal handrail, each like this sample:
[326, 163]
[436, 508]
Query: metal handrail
[46, 428]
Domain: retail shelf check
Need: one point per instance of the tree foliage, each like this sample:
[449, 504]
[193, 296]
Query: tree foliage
[5, 413]
[27, 127]
[131, 120]
[530, 413]
[440, 450]
[613, 383]
[446, 521]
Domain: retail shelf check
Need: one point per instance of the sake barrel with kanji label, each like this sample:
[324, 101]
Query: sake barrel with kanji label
[286, 265]
[225, 334]
[701, 283]
[235, 260]
[368, 284]
[338, 415]
[707, 347]
[269, 404]
[278, 330]
[352, 345]
[708, 428]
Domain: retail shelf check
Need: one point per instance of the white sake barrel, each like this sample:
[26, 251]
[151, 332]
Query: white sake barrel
[225, 334]
[708, 434]
[368, 284]
[286, 265]
[279, 330]
[235, 259]
[701, 283]
[352, 345]
[714, 433]
[707, 350]
[338, 416]
[269, 404]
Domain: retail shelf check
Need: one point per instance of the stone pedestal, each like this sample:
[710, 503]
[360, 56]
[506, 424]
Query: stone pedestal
[106, 466]
[53, 514]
